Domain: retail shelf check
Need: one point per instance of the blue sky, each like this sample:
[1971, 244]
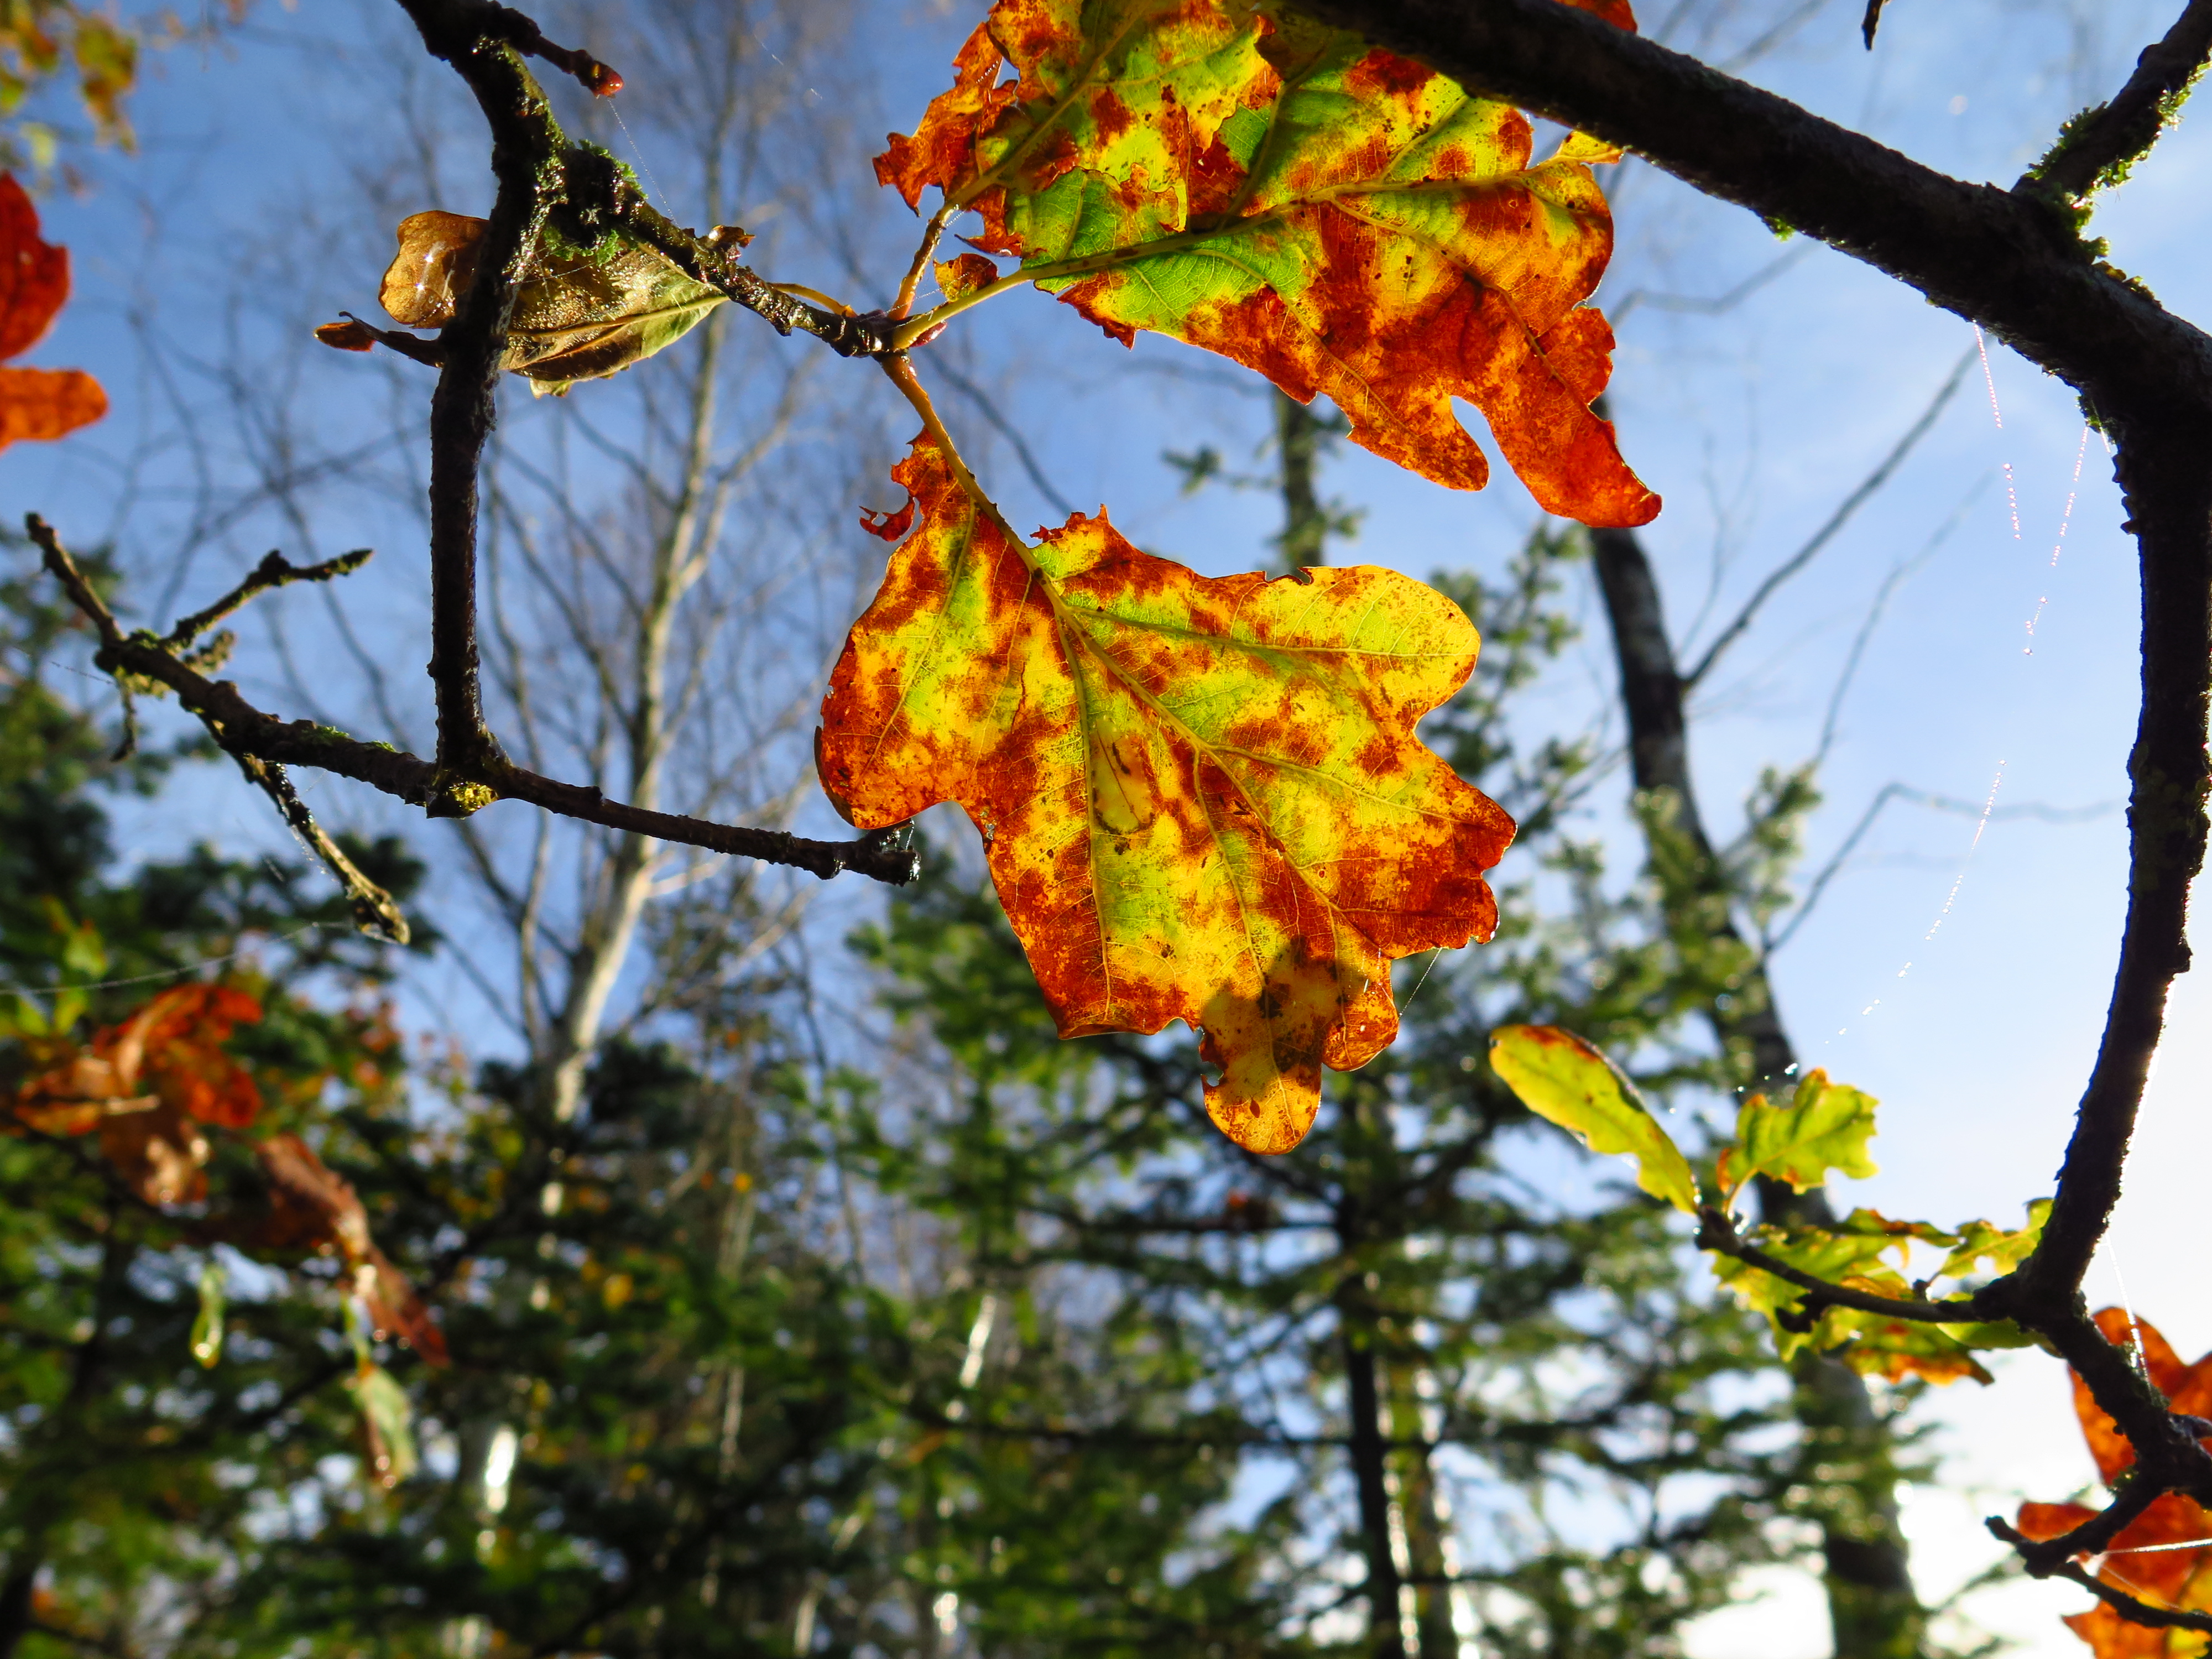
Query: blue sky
[1957, 968]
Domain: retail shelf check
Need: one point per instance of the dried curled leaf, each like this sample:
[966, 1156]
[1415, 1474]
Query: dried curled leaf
[578, 315]
[35, 404]
[351, 335]
[1560, 1078]
[314, 1207]
[1203, 799]
[1340, 219]
[169, 1054]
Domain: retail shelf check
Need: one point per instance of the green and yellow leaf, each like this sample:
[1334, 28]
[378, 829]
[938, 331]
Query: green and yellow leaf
[1202, 799]
[1981, 1241]
[1825, 1127]
[1851, 1255]
[1560, 1077]
[1340, 219]
[578, 316]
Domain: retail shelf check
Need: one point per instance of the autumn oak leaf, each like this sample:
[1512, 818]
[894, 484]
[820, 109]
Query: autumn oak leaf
[1825, 1128]
[1340, 219]
[1569, 1082]
[313, 1206]
[2151, 1558]
[1202, 797]
[35, 404]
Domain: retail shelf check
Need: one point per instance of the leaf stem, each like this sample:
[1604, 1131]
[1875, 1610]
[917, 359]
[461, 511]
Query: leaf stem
[909, 385]
[930, 233]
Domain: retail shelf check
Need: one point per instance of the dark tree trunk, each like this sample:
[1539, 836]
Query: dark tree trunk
[1298, 435]
[1871, 1604]
[1370, 1475]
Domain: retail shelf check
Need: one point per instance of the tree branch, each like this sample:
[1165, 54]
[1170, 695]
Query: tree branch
[244, 731]
[2097, 148]
[275, 570]
[1715, 1233]
[1842, 516]
[2015, 263]
[2120, 1602]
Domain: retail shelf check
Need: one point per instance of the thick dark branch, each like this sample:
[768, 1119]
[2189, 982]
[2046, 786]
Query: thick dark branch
[1716, 1234]
[2139, 1613]
[527, 144]
[2098, 146]
[244, 731]
[2043, 1557]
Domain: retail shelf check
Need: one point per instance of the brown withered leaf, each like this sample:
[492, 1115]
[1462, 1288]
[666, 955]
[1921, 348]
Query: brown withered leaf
[162, 1154]
[1203, 798]
[577, 316]
[314, 1207]
[169, 1052]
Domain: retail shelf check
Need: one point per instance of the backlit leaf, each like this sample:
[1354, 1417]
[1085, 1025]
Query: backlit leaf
[1851, 1255]
[578, 316]
[1825, 1127]
[2187, 1388]
[1560, 1077]
[1980, 1241]
[2142, 1561]
[1340, 219]
[1203, 799]
[207, 1324]
[35, 404]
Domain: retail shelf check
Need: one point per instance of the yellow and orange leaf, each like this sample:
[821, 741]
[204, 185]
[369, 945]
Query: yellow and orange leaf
[1340, 219]
[1203, 799]
[35, 404]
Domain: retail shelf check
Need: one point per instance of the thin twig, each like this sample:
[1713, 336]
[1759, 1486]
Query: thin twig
[275, 570]
[2136, 1612]
[1716, 1233]
[1842, 516]
[239, 728]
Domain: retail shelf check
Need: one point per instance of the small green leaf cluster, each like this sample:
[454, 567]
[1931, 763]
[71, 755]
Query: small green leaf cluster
[1820, 1132]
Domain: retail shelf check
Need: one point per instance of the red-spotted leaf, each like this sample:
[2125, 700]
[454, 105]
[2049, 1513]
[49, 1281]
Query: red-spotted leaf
[1342, 220]
[1203, 799]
